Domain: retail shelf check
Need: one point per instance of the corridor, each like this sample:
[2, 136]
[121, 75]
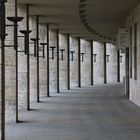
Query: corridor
[101, 112]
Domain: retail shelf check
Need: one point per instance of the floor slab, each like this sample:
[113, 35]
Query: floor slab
[101, 112]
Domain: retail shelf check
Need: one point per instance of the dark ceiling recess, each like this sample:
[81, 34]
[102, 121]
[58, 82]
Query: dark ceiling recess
[86, 24]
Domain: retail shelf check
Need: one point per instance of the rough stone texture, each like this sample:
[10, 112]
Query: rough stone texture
[98, 49]
[86, 64]
[33, 61]
[112, 64]
[10, 83]
[135, 84]
[63, 64]
[43, 61]
[53, 62]
[10, 67]
[74, 63]
[22, 62]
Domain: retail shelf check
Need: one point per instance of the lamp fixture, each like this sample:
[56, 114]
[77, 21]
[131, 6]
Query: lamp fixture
[35, 45]
[95, 57]
[107, 58]
[43, 47]
[52, 50]
[72, 55]
[82, 57]
[62, 54]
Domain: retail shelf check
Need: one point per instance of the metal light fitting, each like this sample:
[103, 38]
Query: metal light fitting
[43, 52]
[95, 57]
[26, 35]
[62, 54]
[72, 55]
[82, 56]
[121, 58]
[15, 20]
[107, 58]
[35, 45]
[52, 50]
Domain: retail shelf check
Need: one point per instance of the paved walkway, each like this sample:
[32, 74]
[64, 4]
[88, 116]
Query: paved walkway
[93, 113]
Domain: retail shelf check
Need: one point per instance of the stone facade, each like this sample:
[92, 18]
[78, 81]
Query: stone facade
[98, 49]
[133, 18]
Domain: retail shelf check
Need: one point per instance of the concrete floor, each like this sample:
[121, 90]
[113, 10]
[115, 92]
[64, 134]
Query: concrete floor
[93, 113]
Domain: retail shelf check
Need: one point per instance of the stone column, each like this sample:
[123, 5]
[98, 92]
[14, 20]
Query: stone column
[10, 69]
[111, 52]
[53, 62]
[86, 63]
[33, 63]
[74, 63]
[43, 61]
[22, 62]
[63, 63]
[98, 69]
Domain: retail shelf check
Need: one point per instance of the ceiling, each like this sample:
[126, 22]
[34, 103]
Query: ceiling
[103, 16]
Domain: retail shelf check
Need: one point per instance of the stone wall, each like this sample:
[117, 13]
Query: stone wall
[98, 49]
[133, 18]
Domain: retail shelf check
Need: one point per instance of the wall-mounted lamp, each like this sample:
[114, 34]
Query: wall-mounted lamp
[35, 45]
[82, 56]
[52, 50]
[26, 35]
[43, 49]
[107, 58]
[95, 57]
[62, 54]
[15, 20]
[71, 55]
[121, 58]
